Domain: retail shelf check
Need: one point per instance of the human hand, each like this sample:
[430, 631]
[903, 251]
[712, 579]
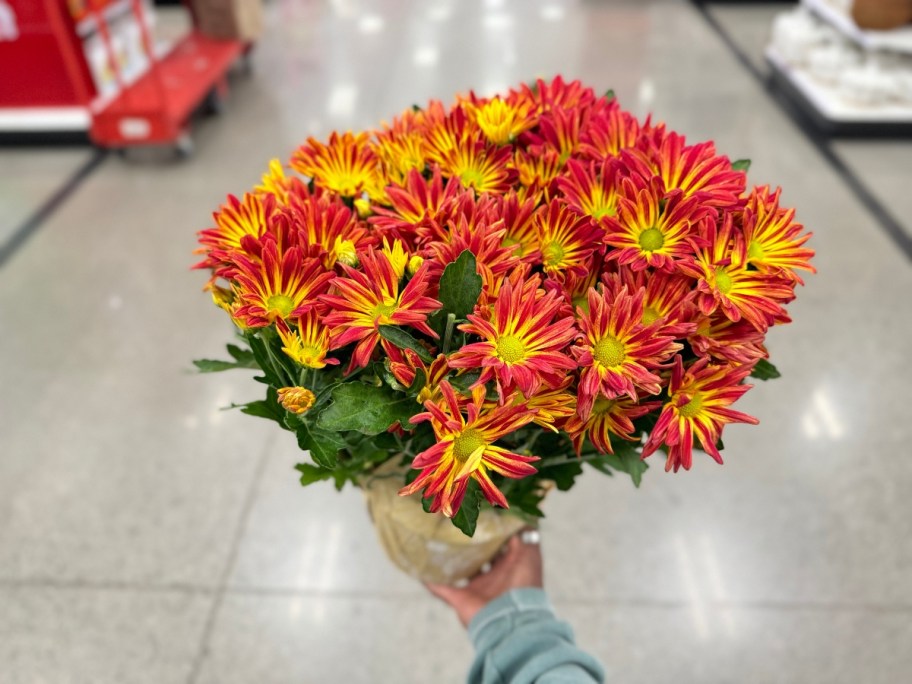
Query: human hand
[520, 565]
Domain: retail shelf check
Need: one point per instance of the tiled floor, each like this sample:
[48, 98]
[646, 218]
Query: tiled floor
[148, 536]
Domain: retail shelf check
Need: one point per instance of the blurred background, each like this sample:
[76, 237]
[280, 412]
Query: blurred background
[146, 535]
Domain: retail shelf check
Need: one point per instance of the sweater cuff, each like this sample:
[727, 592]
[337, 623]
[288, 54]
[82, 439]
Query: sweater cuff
[506, 606]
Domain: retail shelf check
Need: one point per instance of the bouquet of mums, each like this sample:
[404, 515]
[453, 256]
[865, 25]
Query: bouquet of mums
[484, 298]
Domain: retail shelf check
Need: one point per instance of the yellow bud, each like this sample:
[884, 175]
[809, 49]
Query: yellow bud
[344, 251]
[363, 207]
[414, 264]
[297, 400]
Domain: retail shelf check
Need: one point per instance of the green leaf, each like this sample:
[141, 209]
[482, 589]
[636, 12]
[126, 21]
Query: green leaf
[311, 473]
[764, 370]
[403, 340]
[462, 383]
[625, 459]
[563, 474]
[244, 357]
[323, 446]
[460, 286]
[609, 94]
[268, 408]
[367, 409]
[741, 165]
[214, 365]
[258, 349]
[466, 517]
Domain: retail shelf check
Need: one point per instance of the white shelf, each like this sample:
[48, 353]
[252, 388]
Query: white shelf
[44, 119]
[833, 107]
[836, 14]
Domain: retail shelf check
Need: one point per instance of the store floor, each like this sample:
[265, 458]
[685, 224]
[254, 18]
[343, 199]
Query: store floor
[146, 535]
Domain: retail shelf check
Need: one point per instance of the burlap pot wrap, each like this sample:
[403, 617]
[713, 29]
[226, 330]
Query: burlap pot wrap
[428, 546]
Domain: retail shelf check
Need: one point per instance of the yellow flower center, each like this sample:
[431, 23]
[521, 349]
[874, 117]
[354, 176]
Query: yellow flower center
[310, 356]
[755, 251]
[651, 239]
[602, 406]
[609, 351]
[692, 407]
[381, 312]
[510, 349]
[723, 281]
[552, 253]
[650, 315]
[281, 304]
[466, 443]
[472, 178]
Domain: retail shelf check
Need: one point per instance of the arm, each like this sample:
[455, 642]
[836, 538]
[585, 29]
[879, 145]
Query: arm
[517, 638]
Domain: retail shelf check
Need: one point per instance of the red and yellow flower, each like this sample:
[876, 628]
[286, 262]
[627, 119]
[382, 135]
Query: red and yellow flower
[651, 229]
[566, 239]
[522, 345]
[619, 353]
[591, 189]
[465, 450]
[697, 171]
[608, 133]
[500, 120]
[479, 165]
[308, 343]
[608, 417]
[773, 238]
[698, 405]
[370, 297]
[234, 221]
[725, 282]
[347, 165]
[280, 286]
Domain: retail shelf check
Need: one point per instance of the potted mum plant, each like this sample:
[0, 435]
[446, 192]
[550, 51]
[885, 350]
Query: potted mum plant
[464, 308]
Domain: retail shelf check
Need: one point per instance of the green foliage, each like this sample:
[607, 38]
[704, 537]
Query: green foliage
[741, 165]
[609, 94]
[764, 370]
[625, 459]
[311, 473]
[403, 340]
[268, 408]
[214, 365]
[460, 286]
[563, 474]
[367, 409]
[466, 517]
[323, 445]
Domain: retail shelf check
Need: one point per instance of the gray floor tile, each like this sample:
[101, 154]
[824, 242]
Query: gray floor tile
[317, 638]
[84, 636]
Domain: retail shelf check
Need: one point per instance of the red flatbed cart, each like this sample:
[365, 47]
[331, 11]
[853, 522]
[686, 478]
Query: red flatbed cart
[98, 57]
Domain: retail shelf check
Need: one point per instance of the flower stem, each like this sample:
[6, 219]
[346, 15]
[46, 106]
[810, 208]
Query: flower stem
[448, 333]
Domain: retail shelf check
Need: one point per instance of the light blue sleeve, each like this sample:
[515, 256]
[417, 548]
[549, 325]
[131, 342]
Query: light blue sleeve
[518, 640]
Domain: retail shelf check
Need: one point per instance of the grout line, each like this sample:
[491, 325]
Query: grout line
[28, 227]
[875, 208]
[105, 585]
[229, 564]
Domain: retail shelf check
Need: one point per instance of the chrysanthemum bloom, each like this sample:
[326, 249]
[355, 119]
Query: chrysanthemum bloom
[327, 228]
[556, 94]
[401, 147]
[575, 288]
[479, 165]
[275, 183]
[619, 352]
[483, 240]
[308, 343]
[445, 131]
[724, 282]
[667, 296]
[370, 297]
[235, 220]
[406, 366]
[652, 229]
[774, 241]
[608, 417]
[522, 343]
[500, 120]
[537, 174]
[609, 132]
[566, 239]
[297, 400]
[419, 203]
[465, 450]
[552, 406]
[558, 130]
[591, 189]
[719, 338]
[346, 165]
[397, 255]
[281, 286]
[519, 225]
[698, 402]
[698, 171]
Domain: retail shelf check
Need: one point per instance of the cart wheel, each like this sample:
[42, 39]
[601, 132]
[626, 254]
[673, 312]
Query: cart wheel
[214, 104]
[183, 146]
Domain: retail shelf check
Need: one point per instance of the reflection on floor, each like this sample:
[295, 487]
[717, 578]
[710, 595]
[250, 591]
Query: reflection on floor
[148, 536]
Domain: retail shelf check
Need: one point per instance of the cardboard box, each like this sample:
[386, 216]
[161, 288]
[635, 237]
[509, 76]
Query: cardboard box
[234, 19]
